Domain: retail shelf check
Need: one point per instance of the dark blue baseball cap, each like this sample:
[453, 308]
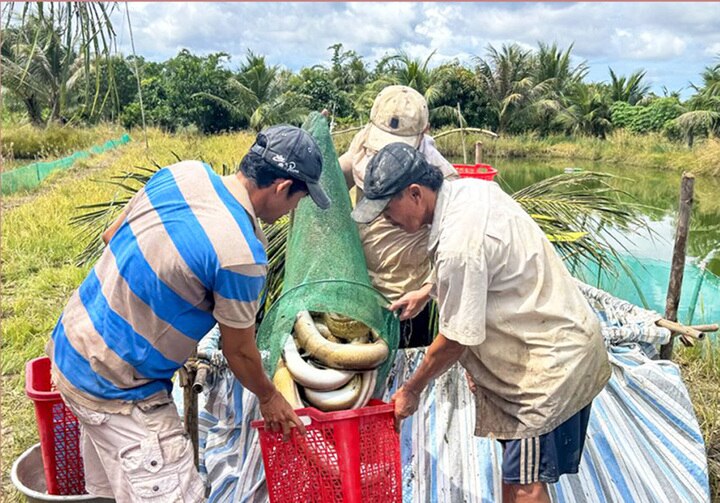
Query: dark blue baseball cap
[294, 151]
[394, 167]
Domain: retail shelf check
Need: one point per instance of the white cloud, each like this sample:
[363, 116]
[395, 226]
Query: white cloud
[646, 45]
[675, 40]
[713, 49]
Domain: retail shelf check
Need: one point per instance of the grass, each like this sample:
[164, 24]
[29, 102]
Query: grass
[700, 368]
[38, 251]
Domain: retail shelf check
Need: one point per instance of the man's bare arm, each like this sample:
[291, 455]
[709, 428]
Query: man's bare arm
[110, 231]
[243, 357]
[346, 167]
[442, 354]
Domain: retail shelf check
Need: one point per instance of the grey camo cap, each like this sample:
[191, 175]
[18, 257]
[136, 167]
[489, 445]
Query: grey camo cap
[294, 151]
[393, 168]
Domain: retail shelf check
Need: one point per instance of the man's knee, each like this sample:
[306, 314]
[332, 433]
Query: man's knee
[526, 493]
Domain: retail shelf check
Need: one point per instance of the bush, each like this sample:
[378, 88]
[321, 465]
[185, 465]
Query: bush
[645, 119]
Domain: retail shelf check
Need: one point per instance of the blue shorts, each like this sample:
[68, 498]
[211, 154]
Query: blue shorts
[545, 458]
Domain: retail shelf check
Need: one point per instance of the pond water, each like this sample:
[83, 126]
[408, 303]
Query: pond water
[648, 254]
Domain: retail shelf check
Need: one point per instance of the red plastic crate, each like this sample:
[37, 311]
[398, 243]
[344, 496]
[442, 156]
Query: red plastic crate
[348, 456]
[479, 171]
[59, 432]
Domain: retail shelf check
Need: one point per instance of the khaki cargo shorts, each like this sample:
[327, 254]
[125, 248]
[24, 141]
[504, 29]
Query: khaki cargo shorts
[144, 456]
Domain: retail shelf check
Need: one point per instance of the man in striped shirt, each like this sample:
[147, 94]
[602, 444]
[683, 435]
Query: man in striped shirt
[186, 253]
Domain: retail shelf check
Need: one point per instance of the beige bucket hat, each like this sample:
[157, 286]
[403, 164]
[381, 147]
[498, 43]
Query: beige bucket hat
[399, 114]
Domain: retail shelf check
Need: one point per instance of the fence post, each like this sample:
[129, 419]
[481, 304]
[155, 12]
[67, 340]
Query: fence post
[478, 152]
[677, 269]
[462, 133]
[186, 376]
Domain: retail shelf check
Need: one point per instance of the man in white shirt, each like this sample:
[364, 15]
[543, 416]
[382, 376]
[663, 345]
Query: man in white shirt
[509, 311]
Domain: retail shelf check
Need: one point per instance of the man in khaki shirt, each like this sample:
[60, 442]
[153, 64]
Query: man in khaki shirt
[510, 312]
[398, 262]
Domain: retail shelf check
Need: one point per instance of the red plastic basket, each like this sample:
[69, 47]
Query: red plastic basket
[59, 432]
[347, 456]
[479, 171]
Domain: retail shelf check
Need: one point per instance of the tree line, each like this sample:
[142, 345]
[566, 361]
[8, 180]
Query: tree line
[55, 70]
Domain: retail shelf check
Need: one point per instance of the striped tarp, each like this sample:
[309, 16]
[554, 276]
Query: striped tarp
[643, 442]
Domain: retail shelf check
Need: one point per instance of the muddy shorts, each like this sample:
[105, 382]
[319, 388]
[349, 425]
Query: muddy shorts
[545, 458]
[143, 456]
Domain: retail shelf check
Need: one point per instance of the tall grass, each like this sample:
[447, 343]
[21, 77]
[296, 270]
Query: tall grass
[27, 142]
[38, 253]
[701, 372]
[622, 148]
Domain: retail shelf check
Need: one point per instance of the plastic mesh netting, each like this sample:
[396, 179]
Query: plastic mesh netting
[325, 268]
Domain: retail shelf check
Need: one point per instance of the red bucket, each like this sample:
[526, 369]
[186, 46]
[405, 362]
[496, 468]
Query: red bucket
[59, 432]
[479, 171]
[348, 456]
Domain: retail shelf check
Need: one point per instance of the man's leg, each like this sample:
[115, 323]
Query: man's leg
[145, 455]
[529, 464]
[525, 493]
[415, 333]
[96, 480]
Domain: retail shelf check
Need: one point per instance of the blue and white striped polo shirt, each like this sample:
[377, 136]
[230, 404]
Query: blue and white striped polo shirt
[188, 254]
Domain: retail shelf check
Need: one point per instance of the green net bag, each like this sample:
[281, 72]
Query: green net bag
[325, 268]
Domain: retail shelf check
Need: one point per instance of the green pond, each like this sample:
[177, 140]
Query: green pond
[648, 254]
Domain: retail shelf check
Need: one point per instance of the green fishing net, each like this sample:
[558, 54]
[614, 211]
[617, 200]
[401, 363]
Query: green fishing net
[30, 176]
[325, 268]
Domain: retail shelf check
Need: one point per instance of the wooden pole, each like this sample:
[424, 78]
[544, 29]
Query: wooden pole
[467, 130]
[478, 152]
[462, 133]
[713, 327]
[190, 406]
[677, 268]
[679, 329]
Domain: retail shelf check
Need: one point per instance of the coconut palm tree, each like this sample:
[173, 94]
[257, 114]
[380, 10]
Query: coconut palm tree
[506, 78]
[629, 90]
[588, 113]
[553, 67]
[259, 97]
[417, 73]
[47, 50]
[702, 110]
[402, 69]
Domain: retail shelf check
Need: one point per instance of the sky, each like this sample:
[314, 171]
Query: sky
[672, 41]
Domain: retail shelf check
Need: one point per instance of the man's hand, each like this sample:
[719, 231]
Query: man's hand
[279, 415]
[471, 382]
[406, 403]
[412, 302]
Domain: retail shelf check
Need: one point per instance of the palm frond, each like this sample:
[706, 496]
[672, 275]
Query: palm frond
[584, 203]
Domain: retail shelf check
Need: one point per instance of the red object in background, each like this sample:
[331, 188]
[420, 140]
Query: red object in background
[59, 432]
[349, 456]
[479, 171]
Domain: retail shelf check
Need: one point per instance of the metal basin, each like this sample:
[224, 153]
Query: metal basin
[28, 476]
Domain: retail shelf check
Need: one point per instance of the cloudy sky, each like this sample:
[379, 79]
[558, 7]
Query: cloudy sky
[672, 41]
